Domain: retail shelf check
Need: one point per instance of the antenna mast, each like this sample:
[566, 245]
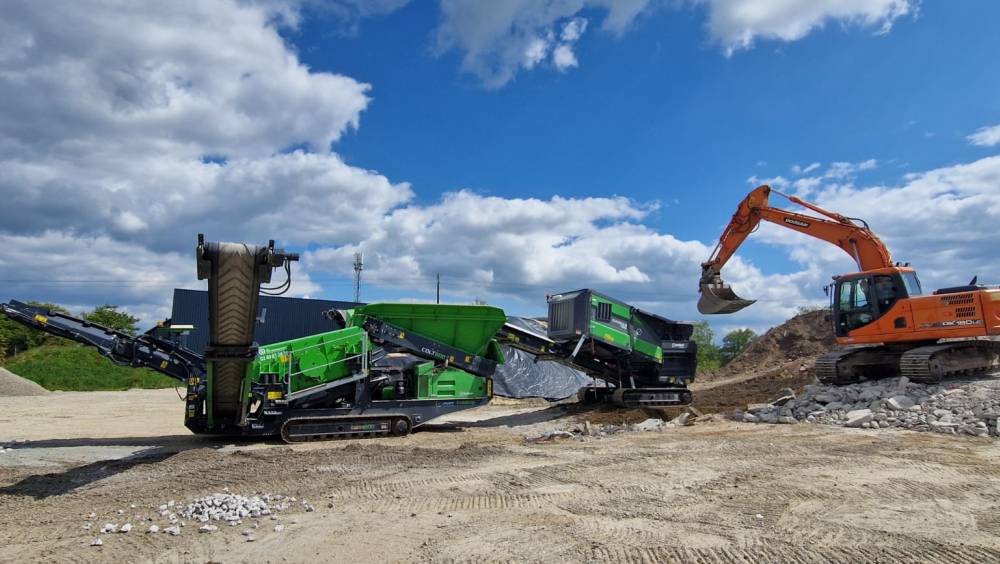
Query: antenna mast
[359, 264]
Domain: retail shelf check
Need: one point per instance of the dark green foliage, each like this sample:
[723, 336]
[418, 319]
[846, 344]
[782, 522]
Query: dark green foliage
[79, 368]
[709, 357]
[109, 316]
[734, 343]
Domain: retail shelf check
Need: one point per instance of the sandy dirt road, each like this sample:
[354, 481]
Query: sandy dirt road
[474, 490]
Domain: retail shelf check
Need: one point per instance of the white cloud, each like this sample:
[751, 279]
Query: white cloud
[573, 30]
[494, 37]
[563, 57]
[804, 186]
[805, 170]
[103, 144]
[535, 52]
[736, 24]
[841, 170]
[498, 39]
[985, 136]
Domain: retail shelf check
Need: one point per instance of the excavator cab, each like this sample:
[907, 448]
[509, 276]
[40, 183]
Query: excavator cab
[859, 299]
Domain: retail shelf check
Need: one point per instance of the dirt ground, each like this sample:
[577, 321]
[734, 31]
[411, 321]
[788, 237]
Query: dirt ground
[474, 490]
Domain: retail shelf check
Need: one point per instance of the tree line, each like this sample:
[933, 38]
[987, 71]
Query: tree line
[712, 356]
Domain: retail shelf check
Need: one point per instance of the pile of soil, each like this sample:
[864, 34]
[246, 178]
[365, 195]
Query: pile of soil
[783, 358]
[12, 385]
[800, 339]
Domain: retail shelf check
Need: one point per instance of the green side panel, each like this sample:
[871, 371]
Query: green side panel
[313, 360]
[449, 383]
[648, 349]
[610, 335]
[470, 328]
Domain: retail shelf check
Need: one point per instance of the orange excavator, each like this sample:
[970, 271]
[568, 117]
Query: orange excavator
[882, 319]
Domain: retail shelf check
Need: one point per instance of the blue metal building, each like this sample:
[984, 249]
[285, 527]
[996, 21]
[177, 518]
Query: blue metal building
[284, 318]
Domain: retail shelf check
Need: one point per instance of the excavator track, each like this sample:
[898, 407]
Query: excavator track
[930, 364]
[927, 364]
[837, 368]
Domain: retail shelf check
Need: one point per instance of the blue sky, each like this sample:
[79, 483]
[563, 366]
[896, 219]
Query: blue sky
[515, 147]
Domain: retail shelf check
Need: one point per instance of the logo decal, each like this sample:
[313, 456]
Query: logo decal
[957, 323]
[796, 222]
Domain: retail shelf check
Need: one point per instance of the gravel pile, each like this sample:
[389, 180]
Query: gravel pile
[228, 507]
[12, 385]
[969, 408]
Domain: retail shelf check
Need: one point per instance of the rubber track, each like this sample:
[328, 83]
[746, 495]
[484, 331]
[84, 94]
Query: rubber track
[234, 323]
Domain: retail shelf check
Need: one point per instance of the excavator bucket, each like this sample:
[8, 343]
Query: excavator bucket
[718, 297]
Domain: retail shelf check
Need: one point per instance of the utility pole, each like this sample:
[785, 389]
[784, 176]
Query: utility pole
[359, 264]
[439, 288]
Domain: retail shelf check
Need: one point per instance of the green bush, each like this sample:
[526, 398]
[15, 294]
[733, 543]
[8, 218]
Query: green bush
[77, 368]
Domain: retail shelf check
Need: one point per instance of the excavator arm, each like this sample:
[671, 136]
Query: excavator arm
[853, 236]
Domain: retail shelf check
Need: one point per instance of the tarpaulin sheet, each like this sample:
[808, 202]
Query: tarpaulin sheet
[524, 377]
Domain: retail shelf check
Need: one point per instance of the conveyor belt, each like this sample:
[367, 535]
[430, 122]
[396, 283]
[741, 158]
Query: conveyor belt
[235, 272]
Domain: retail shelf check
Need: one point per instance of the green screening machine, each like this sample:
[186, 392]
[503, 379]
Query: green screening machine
[389, 367]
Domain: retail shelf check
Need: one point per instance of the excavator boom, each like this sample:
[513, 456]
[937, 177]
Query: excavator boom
[850, 235]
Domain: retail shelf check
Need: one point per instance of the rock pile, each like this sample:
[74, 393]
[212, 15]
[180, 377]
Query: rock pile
[225, 507]
[970, 408]
[228, 507]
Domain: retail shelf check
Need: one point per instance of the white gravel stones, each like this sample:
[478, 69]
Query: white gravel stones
[208, 528]
[109, 528]
[279, 528]
[96, 542]
[125, 528]
[229, 508]
[175, 530]
[153, 529]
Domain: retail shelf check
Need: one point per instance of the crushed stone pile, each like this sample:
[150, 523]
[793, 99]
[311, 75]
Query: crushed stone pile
[959, 407]
[800, 339]
[12, 385]
[228, 507]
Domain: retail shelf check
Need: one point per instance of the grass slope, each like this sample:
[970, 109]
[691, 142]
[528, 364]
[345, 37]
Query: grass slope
[76, 368]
